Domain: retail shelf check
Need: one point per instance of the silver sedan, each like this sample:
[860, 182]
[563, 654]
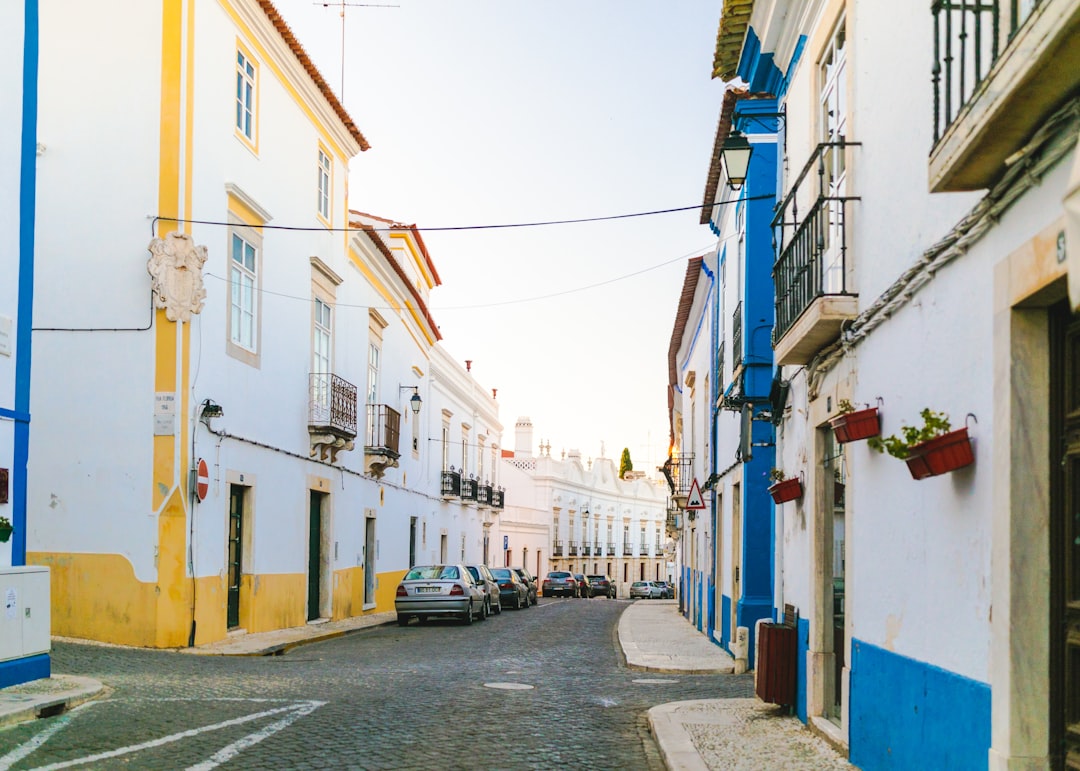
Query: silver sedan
[439, 590]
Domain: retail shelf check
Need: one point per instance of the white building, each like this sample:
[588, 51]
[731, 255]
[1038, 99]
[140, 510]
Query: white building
[578, 515]
[937, 623]
[273, 334]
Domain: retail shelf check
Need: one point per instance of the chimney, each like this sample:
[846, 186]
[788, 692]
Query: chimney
[523, 438]
[468, 365]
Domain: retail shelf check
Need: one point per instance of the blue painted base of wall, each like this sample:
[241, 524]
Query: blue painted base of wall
[802, 646]
[18, 671]
[908, 714]
[725, 621]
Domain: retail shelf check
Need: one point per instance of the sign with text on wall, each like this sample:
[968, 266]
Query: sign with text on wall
[694, 500]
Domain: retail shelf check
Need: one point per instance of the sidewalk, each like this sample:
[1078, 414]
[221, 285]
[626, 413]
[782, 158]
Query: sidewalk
[728, 734]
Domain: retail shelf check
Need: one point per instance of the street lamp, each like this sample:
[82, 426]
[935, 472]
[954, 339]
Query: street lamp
[735, 157]
[415, 401]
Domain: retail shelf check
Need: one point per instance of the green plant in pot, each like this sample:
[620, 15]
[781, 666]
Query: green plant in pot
[930, 449]
[784, 489]
[5, 529]
[854, 424]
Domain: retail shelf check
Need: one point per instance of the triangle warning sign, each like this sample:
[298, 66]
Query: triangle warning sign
[694, 500]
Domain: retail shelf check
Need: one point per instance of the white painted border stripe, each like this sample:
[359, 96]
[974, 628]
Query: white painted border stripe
[299, 707]
[20, 752]
[230, 751]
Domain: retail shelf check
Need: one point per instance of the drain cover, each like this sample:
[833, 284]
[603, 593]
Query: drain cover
[509, 686]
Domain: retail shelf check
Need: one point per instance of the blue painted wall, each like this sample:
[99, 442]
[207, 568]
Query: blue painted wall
[802, 646]
[25, 302]
[908, 714]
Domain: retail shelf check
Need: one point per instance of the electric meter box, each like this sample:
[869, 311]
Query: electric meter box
[24, 612]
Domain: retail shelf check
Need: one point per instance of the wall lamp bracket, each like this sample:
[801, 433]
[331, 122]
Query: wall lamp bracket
[415, 402]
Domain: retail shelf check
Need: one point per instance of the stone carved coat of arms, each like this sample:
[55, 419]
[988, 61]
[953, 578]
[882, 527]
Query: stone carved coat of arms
[175, 265]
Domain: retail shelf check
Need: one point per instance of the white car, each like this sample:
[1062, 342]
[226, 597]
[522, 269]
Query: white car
[645, 590]
[439, 590]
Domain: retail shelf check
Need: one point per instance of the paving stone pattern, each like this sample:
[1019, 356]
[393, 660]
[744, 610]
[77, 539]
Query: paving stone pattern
[381, 698]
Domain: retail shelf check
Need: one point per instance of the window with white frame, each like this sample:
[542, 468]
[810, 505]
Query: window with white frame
[245, 96]
[374, 354]
[320, 354]
[243, 302]
[324, 185]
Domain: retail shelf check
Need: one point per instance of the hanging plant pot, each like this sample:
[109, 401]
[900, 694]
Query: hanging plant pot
[852, 426]
[941, 455]
[5, 533]
[786, 490]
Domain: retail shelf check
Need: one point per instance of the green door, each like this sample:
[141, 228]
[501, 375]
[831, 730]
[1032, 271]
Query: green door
[314, 555]
[236, 539]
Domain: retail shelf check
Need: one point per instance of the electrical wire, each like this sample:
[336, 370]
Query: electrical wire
[450, 228]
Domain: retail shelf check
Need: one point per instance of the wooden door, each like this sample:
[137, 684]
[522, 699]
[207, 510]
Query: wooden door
[314, 555]
[236, 555]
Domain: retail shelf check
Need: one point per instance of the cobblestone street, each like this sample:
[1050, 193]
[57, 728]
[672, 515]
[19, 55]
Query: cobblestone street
[383, 698]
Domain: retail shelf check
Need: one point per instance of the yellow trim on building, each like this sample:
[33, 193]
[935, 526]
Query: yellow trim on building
[251, 142]
[418, 258]
[244, 212]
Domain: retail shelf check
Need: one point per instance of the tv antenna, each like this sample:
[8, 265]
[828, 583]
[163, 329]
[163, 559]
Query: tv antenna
[343, 5]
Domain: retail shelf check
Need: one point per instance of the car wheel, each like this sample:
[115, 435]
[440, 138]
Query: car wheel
[468, 614]
[498, 608]
[527, 603]
[402, 620]
[484, 611]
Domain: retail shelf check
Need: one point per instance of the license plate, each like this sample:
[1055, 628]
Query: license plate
[424, 589]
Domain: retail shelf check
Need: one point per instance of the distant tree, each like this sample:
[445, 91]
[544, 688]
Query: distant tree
[625, 464]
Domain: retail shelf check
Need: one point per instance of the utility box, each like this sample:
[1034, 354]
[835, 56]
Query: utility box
[24, 612]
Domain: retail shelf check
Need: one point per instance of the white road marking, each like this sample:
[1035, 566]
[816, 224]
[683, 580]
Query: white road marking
[299, 709]
[20, 752]
[606, 702]
[230, 751]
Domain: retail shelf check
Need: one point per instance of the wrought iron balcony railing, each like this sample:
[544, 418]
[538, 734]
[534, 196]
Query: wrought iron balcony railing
[628, 550]
[556, 548]
[468, 489]
[383, 429]
[736, 337]
[586, 549]
[812, 251]
[451, 483]
[331, 404]
[483, 495]
[573, 548]
[966, 45]
[679, 471]
[498, 498]
[611, 550]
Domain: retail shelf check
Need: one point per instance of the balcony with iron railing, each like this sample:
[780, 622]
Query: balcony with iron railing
[451, 483]
[381, 444]
[498, 498]
[1000, 69]
[483, 494]
[736, 337]
[556, 548]
[586, 549]
[331, 414]
[573, 548]
[679, 472]
[469, 489]
[610, 550]
[810, 275]
[627, 549]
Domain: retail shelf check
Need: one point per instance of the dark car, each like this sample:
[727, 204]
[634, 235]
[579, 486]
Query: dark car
[584, 590]
[601, 586]
[529, 580]
[512, 591]
[559, 583]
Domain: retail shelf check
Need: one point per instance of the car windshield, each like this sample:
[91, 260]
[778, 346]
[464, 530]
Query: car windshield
[433, 572]
[502, 573]
[475, 573]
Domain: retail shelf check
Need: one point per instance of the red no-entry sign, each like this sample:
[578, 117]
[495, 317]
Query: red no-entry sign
[202, 480]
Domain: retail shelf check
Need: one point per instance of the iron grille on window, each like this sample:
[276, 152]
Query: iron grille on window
[451, 483]
[332, 403]
[812, 251]
[468, 489]
[384, 428]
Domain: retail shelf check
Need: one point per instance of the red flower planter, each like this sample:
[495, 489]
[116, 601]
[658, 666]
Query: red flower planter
[941, 455]
[786, 490]
[852, 426]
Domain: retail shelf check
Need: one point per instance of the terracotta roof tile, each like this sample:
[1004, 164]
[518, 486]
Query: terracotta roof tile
[734, 20]
[324, 87]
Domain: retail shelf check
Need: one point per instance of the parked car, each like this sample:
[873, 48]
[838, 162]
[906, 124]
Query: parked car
[482, 575]
[529, 579]
[511, 589]
[602, 587]
[559, 583]
[584, 590]
[439, 590]
[644, 590]
[667, 591]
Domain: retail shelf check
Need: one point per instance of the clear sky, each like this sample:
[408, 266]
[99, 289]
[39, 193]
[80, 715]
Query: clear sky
[485, 112]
